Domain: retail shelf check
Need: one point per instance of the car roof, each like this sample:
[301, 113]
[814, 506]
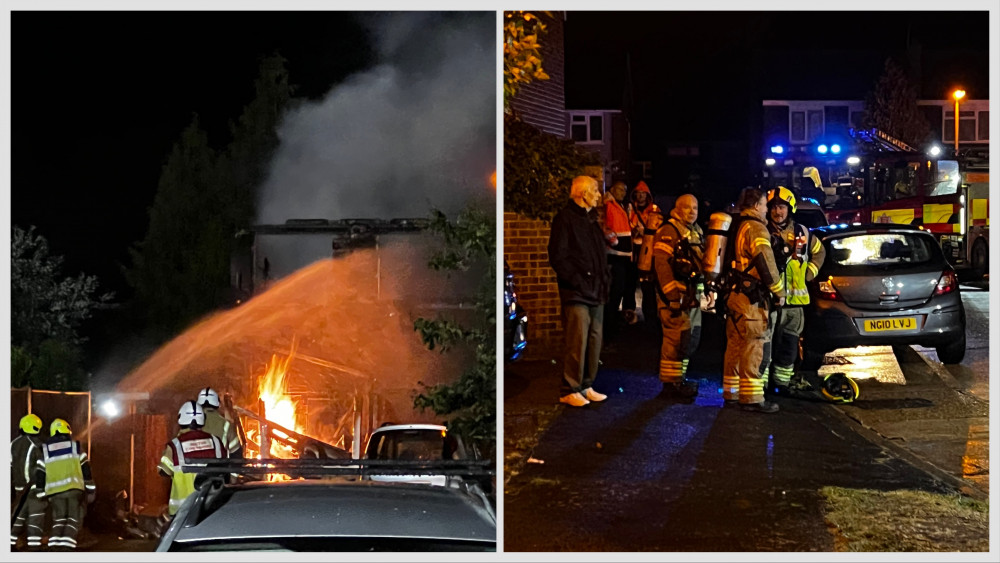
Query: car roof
[844, 228]
[324, 508]
[436, 427]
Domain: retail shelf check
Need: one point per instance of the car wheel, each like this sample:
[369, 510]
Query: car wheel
[980, 259]
[952, 353]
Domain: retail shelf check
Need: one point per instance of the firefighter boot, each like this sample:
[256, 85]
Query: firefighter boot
[764, 407]
[684, 391]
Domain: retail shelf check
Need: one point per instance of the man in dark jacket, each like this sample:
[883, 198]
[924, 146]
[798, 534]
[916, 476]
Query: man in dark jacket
[25, 451]
[577, 254]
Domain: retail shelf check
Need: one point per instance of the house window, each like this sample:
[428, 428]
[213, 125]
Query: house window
[984, 126]
[966, 125]
[798, 126]
[586, 128]
[815, 124]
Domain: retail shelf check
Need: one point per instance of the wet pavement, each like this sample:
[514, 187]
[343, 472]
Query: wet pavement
[640, 473]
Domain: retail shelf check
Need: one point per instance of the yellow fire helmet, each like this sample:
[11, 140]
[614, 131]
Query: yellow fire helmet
[59, 426]
[782, 194]
[31, 424]
[839, 388]
[812, 173]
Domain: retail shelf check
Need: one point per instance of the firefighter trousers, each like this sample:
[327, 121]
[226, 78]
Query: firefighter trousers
[746, 335]
[583, 329]
[31, 518]
[785, 345]
[681, 334]
[68, 511]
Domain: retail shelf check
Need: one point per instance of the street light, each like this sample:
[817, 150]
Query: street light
[958, 95]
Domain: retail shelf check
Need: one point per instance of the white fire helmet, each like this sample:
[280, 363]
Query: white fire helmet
[207, 397]
[191, 414]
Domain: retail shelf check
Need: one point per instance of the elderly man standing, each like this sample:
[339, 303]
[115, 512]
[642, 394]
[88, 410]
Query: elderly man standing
[577, 254]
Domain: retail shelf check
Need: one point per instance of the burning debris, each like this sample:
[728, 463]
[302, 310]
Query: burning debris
[341, 360]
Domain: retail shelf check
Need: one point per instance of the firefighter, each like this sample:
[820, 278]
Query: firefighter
[618, 234]
[799, 256]
[751, 287]
[641, 215]
[677, 256]
[191, 443]
[65, 470]
[218, 425]
[25, 451]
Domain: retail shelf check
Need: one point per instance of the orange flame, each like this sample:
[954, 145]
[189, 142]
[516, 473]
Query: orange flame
[493, 179]
[279, 407]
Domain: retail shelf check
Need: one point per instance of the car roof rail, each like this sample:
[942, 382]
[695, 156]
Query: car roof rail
[312, 467]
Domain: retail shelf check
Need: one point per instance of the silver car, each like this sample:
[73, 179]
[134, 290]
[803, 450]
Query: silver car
[883, 284]
[333, 508]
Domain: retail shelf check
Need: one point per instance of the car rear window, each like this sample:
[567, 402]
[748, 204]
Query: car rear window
[881, 249]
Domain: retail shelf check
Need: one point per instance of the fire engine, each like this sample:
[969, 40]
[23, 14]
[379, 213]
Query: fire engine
[947, 195]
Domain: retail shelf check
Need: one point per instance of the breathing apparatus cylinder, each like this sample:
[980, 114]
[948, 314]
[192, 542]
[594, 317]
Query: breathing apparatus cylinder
[715, 244]
[645, 261]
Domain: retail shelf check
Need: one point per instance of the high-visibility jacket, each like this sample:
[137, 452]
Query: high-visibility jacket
[25, 451]
[638, 219]
[616, 223]
[189, 444]
[752, 245]
[63, 466]
[223, 429]
[807, 256]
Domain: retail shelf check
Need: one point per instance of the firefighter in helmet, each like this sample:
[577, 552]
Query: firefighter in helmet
[25, 451]
[677, 258]
[752, 288]
[644, 218]
[218, 425]
[798, 255]
[191, 443]
[65, 471]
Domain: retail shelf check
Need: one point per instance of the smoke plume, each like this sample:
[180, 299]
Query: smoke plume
[416, 131]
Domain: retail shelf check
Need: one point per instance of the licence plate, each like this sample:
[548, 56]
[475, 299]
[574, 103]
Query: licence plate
[884, 325]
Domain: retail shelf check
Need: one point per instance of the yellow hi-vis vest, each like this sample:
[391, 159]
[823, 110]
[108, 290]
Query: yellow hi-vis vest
[63, 464]
[182, 484]
[794, 272]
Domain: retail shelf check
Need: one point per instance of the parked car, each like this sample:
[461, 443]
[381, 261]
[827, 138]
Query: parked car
[809, 213]
[338, 511]
[420, 442]
[883, 284]
[515, 321]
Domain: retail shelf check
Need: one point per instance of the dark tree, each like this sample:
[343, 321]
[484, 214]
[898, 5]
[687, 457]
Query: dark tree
[538, 169]
[181, 269]
[470, 402]
[47, 310]
[892, 107]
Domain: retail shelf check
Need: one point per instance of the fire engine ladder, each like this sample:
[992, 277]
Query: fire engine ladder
[880, 141]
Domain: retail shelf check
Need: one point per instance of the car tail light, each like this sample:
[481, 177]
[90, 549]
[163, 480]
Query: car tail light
[828, 292]
[947, 283]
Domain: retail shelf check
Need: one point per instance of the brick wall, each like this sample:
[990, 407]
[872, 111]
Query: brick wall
[525, 243]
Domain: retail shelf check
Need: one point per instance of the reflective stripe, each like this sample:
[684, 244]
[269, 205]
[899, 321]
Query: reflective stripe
[761, 242]
[663, 247]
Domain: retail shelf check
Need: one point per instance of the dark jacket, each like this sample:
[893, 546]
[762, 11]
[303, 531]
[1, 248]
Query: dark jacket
[25, 451]
[577, 254]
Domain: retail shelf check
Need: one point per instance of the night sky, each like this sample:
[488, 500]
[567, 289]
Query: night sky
[700, 76]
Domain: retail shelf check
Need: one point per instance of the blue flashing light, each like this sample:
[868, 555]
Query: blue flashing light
[835, 149]
[843, 225]
[777, 149]
[822, 149]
